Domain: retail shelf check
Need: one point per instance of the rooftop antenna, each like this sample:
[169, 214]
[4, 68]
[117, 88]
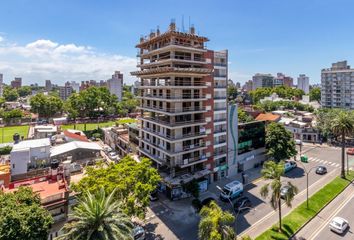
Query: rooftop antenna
[182, 23]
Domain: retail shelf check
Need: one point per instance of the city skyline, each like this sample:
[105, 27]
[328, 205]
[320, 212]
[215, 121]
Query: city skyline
[78, 41]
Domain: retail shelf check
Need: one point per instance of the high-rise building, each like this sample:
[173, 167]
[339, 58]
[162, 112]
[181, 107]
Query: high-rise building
[303, 83]
[16, 83]
[48, 85]
[75, 86]
[262, 80]
[135, 88]
[115, 84]
[65, 91]
[183, 104]
[248, 86]
[337, 86]
[1, 84]
[283, 80]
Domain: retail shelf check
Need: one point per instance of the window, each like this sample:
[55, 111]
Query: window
[13, 165]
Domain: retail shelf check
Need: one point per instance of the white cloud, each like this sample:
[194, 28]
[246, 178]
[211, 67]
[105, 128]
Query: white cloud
[1, 38]
[45, 59]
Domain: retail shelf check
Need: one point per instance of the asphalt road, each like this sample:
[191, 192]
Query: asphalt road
[178, 217]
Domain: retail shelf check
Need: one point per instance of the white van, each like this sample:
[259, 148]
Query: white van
[231, 190]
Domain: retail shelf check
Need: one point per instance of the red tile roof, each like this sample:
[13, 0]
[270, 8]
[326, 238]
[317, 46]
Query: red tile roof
[75, 136]
[268, 117]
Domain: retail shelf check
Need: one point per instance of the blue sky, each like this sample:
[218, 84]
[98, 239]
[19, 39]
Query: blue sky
[81, 40]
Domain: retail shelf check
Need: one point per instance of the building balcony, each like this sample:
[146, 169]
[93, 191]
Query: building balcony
[172, 59]
[220, 120]
[220, 86]
[170, 124]
[155, 158]
[172, 70]
[172, 138]
[191, 161]
[171, 46]
[171, 98]
[175, 152]
[173, 111]
[173, 84]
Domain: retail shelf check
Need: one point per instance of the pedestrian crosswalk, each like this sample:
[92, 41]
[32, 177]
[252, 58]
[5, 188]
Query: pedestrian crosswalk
[325, 162]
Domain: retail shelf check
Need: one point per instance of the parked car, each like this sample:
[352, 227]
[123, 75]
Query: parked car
[350, 151]
[139, 233]
[284, 191]
[242, 204]
[321, 170]
[154, 195]
[289, 165]
[338, 225]
[107, 149]
[231, 191]
[113, 155]
[75, 167]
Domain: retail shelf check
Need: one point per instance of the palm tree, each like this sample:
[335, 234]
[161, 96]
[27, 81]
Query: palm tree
[343, 125]
[215, 223]
[273, 171]
[98, 217]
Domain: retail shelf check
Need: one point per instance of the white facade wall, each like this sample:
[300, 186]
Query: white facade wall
[303, 83]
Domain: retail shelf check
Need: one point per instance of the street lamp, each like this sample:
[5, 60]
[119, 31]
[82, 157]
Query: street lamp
[232, 206]
[307, 183]
[239, 210]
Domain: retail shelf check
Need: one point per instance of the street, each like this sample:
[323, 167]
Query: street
[179, 217]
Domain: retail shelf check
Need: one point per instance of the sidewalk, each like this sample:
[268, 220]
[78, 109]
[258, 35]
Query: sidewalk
[311, 229]
[254, 174]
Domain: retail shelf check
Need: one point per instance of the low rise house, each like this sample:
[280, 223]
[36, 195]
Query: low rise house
[78, 151]
[118, 139]
[29, 155]
[74, 135]
[268, 117]
[44, 131]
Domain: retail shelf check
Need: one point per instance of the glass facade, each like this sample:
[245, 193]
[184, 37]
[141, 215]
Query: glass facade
[251, 136]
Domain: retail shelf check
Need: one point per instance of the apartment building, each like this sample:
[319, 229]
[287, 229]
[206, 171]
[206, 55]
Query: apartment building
[183, 104]
[337, 86]
[48, 85]
[303, 83]
[65, 91]
[115, 84]
[16, 83]
[260, 80]
[283, 80]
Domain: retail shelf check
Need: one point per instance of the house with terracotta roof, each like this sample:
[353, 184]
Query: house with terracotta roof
[268, 117]
[74, 135]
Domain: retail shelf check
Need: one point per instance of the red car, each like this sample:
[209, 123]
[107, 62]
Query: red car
[350, 151]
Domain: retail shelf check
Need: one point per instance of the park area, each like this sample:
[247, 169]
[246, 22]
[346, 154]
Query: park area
[92, 126]
[6, 133]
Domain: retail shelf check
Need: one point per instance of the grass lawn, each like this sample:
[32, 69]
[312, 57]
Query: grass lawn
[10, 131]
[127, 120]
[300, 215]
[89, 126]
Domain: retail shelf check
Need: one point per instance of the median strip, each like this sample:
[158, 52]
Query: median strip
[298, 217]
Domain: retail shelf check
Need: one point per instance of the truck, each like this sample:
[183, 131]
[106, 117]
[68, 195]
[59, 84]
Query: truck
[231, 190]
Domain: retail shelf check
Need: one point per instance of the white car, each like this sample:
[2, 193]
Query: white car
[113, 155]
[338, 225]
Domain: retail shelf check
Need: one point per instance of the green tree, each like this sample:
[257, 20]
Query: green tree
[24, 91]
[10, 94]
[22, 216]
[134, 182]
[215, 224]
[100, 217]
[46, 106]
[279, 143]
[232, 92]
[12, 114]
[343, 125]
[315, 94]
[282, 91]
[243, 117]
[273, 171]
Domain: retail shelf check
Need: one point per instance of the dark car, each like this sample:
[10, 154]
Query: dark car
[284, 191]
[321, 170]
[242, 204]
[154, 196]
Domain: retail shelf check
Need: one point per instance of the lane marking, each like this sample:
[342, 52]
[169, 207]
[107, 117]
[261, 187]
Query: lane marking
[273, 212]
[325, 223]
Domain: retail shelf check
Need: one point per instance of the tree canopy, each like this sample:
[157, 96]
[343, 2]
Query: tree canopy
[46, 106]
[243, 117]
[280, 144]
[315, 94]
[215, 224]
[22, 216]
[282, 91]
[10, 94]
[269, 106]
[24, 91]
[98, 217]
[134, 182]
